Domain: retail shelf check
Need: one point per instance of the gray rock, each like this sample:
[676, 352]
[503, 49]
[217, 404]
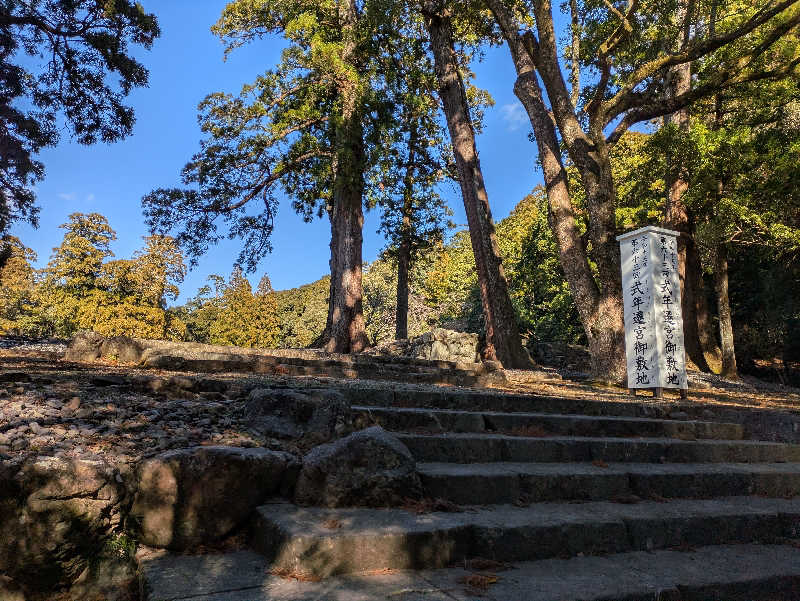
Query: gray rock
[108, 380]
[321, 414]
[370, 467]
[14, 376]
[85, 347]
[122, 348]
[445, 345]
[198, 495]
[54, 515]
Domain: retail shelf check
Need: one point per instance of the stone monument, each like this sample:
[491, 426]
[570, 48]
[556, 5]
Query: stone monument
[652, 300]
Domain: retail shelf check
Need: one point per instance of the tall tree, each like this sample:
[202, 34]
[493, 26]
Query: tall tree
[158, 270]
[701, 348]
[306, 126]
[82, 43]
[503, 341]
[77, 263]
[17, 284]
[414, 215]
[631, 48]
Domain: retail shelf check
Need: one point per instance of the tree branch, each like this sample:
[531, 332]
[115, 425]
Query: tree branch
[691, 52]
[666, 105]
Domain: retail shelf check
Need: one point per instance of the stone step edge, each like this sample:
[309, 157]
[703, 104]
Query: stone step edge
[492, 483]
[330, 369]
[757, 572]
[697, 427]
[326, 542]
[487, 448]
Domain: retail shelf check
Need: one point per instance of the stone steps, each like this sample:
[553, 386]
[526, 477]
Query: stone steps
[346, 367]
[591, 500]
[325, 542]
[449, 420]
[490, 448]
[729, 572]
[497, 483]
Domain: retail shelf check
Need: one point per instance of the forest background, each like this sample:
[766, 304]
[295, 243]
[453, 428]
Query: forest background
[738, 165]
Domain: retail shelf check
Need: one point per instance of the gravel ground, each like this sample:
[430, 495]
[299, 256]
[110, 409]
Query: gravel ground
[45, 345]
[120, 414]
[64, 410]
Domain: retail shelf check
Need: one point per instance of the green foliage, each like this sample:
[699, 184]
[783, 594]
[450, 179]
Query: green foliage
[82, 43]
[17, 283]
[242, 318]
[302, 313]
[541, 297]
[77, 263]
[284, 129]
[81, 289]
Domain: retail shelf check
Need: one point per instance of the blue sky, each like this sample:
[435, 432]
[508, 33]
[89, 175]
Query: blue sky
[185, 65]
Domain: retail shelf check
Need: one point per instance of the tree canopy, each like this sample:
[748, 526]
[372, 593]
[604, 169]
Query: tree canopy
[68, 58]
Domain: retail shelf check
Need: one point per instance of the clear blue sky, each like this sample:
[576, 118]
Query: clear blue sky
[185, 65]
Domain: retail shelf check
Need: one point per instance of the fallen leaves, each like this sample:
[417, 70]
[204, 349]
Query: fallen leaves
[332, 524]
[287, 573]
[479, 581]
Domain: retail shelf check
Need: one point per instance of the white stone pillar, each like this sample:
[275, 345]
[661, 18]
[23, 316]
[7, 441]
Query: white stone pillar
[652, 300]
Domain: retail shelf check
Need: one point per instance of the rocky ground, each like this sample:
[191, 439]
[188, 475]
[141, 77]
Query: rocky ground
[78, 432]
[121, 414]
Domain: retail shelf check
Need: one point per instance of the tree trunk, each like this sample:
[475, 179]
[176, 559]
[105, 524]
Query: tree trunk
[591, 156]
[401, 317]
[503, 341]
[347, 332]
[701, 349]
[404, 251]
[346, 328]
[724, 309]
[561, 215]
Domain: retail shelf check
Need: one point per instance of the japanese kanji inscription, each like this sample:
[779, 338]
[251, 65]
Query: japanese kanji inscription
[652, 301]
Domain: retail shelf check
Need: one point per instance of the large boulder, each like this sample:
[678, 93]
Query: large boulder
[121, 348]
[321, 415]
[446, 345]
[84, 347]
[55, 513]
[198, 495]
[370, 467]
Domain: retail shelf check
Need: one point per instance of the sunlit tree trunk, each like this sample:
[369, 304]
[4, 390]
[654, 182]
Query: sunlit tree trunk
[724, 309]
[345, 324]
[503, 341]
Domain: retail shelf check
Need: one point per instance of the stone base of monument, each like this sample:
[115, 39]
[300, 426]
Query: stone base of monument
[658, 392]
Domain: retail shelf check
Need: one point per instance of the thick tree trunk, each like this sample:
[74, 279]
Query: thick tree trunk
[346, 331]
[561, 215]
[724, 309]
[503, 341]
[591, 156]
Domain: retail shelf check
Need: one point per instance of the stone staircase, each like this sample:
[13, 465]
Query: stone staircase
[538, 506]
